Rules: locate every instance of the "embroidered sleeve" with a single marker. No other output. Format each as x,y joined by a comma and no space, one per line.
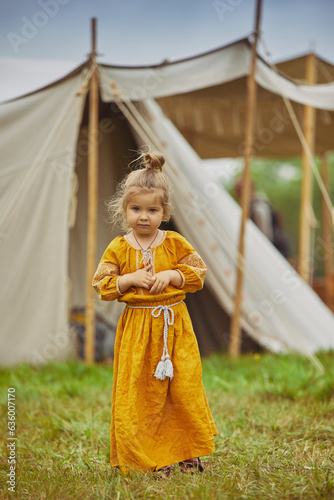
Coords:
105,281
197,265
192,270
105,269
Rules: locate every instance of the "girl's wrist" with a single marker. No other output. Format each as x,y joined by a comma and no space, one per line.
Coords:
175,278
120,284
124,283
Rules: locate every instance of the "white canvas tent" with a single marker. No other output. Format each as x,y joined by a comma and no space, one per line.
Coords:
43,143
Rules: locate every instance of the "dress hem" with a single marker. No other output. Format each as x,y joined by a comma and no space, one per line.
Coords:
178,457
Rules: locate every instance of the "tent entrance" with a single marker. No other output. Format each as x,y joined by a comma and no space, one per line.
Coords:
116,150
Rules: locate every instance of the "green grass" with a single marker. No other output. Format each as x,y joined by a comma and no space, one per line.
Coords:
275,416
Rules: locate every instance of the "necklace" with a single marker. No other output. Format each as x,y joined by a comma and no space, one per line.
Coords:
147,253
142,249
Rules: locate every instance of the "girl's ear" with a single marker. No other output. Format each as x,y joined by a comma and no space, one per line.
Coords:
164,216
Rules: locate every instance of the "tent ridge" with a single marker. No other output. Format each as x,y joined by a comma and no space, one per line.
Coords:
72,73
185,59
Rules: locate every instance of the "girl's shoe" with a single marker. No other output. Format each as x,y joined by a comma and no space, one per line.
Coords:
162,473
191,465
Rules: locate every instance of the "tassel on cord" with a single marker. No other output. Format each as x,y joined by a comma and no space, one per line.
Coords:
165,366
169,368
160,371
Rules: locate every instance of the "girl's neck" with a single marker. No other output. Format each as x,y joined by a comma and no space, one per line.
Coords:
144,240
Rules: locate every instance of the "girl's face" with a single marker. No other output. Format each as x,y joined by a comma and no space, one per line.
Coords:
144,212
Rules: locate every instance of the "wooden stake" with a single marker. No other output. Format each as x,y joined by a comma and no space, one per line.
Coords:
304,264
327,238
93,175
234,347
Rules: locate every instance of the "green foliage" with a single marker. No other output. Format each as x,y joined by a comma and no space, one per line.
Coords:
274,414
280,181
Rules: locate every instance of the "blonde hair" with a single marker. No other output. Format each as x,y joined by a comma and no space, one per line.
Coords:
147,177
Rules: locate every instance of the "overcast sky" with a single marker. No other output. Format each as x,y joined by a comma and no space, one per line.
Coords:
132,32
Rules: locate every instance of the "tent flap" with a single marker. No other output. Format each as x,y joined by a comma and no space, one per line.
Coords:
38,143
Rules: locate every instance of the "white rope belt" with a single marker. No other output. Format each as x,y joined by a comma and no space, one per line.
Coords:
165,366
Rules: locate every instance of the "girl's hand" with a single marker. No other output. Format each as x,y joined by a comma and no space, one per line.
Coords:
141,278
162,280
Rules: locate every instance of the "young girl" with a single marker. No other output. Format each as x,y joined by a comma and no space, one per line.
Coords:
160,414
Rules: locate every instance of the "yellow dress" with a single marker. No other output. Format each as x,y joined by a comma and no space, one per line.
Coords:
155,422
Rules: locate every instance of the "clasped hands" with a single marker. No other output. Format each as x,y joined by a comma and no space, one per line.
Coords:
156,283
144,279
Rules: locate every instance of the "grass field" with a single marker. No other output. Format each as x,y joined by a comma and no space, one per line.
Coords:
275,416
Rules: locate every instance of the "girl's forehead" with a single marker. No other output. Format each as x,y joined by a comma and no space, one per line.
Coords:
147,198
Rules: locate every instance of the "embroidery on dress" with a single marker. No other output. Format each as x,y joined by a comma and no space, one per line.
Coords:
141,291
196,263
105,269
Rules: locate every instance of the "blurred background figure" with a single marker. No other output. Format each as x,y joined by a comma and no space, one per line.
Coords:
268,219
104,335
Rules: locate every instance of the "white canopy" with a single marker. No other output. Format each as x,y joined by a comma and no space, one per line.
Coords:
213,68
205,98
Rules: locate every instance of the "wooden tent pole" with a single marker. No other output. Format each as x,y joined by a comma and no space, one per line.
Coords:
234,346
306,188
327,237
93,175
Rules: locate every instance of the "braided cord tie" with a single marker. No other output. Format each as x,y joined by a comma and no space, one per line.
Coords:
165,366
147,257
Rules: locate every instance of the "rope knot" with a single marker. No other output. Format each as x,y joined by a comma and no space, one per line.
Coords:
147,257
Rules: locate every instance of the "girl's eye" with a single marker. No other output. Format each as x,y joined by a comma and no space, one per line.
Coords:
152,210
135,209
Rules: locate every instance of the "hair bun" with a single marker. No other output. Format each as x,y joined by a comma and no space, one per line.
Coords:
154,161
